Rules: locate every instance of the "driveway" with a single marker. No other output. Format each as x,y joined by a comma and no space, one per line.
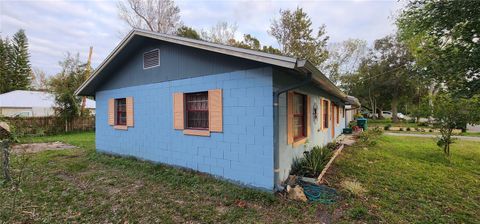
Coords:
470,138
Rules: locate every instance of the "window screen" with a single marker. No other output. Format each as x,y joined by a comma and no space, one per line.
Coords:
197,110
121,111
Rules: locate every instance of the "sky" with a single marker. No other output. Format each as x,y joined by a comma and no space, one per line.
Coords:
55,27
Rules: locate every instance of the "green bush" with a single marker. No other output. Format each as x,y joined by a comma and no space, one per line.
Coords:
312,163
387,127
369,137
423,124
332,146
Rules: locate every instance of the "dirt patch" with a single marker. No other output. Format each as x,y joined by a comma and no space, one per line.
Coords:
39,147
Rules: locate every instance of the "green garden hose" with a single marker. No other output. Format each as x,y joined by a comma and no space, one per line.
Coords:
319,193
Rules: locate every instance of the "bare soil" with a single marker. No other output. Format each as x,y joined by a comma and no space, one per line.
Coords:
39,147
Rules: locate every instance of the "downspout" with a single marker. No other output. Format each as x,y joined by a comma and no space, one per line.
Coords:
276,134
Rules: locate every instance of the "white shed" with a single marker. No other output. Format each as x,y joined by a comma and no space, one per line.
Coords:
31,104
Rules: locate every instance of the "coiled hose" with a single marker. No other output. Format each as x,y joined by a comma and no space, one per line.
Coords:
319,193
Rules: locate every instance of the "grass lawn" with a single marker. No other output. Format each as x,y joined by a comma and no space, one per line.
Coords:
408,180
80,185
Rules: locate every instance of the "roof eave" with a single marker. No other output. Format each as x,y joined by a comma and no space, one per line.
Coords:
320,79
278,60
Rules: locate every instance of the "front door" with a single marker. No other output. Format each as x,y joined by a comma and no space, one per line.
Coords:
333,120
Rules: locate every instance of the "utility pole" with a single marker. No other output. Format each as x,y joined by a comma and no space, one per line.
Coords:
84,99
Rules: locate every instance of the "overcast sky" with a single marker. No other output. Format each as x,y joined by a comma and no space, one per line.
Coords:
56,27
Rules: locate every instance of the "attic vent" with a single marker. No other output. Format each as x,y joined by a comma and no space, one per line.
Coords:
151,59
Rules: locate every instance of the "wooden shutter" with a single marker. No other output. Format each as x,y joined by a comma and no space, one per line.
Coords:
308,116
178,111
129,111
338,114
290,117
111,111
215,110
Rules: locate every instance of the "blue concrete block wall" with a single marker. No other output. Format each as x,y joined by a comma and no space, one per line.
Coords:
287,153
243,152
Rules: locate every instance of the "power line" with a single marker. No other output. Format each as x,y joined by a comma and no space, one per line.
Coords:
385,72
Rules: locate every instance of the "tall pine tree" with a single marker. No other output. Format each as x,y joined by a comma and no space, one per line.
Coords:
15,70
3,64
21,63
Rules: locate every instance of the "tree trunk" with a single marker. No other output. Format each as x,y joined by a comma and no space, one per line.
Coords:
6,160
394,109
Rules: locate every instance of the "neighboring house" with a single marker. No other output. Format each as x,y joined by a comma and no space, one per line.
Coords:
25,103
473,128
211,107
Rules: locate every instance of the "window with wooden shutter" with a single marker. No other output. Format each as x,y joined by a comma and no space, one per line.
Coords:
121,111
325,116
290,117
338,114
178,111
198,113
215,110
298,118
111,111
129,108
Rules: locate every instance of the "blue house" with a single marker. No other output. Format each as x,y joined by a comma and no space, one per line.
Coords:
238,114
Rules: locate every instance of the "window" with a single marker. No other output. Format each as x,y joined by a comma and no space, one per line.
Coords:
325,113
299,116
196,105
151,59
121,111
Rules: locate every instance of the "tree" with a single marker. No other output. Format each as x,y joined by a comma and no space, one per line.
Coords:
396,70
161,16
344,58
248,42
188,32
39,79
64,84
21,61
251,42
451,112
221,33
445,40
294,34
4,64
15,70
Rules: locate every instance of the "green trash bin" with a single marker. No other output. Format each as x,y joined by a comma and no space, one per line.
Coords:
362,122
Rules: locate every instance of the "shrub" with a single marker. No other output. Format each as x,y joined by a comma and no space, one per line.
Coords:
332,146
431,130
369,137
353,187
408,129
387,127
423,124
358,212
313,162
401,129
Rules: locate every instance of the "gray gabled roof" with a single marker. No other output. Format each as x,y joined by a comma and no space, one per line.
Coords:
277,60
